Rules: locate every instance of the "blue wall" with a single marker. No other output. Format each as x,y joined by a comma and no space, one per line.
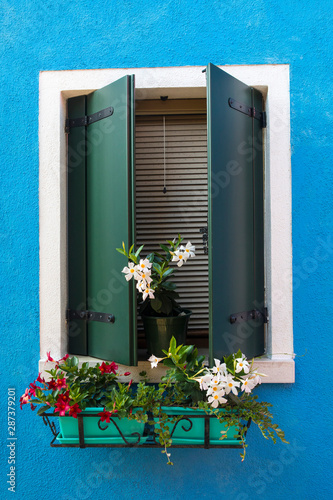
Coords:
43,35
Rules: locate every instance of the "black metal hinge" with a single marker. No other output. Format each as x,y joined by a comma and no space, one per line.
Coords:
252,112
255,315
73,315
88,120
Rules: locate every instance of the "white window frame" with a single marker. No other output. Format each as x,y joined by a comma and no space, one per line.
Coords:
273,81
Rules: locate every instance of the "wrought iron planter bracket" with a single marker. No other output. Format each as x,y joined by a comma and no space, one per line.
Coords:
152,441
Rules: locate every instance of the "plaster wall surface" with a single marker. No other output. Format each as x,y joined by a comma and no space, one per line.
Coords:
43,36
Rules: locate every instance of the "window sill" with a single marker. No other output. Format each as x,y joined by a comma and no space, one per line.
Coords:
277,370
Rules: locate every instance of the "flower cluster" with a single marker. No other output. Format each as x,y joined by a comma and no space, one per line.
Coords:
183,253
149,274
70,388
233,376
221,380
142,274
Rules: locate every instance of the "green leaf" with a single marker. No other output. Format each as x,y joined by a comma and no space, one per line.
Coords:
120,250
157,268
138,251
168,285
165,248
156,304
42,409
166,306
173,344
74,361
167,273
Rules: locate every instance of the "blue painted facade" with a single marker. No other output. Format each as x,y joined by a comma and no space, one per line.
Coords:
44,35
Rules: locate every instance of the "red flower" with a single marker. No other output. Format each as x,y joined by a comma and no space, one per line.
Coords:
52,384
74,410
33,407
105,415
64,358
61,383
126,374
32,389
40,379
24,399
108,368
61,405
64,397
49,357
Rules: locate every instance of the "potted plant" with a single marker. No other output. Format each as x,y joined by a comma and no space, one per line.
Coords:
192,406
161,314
209,406
114,409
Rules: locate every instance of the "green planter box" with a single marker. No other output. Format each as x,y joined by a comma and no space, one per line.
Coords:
191,431
132,430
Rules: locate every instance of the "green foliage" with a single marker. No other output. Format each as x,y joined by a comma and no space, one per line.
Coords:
98,386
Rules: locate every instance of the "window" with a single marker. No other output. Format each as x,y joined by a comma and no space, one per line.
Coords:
272,81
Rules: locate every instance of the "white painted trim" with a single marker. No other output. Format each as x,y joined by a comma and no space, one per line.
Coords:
56,86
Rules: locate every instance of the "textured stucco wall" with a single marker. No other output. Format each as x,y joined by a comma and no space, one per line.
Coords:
43,35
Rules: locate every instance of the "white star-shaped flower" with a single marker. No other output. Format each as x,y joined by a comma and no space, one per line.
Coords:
189,250
242,365
130,271
144,265
148,292
231,385
216,399
219,368
179,256
154,360
247,385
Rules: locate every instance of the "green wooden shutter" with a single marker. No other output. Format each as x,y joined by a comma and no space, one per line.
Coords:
76,227
235,220
109,206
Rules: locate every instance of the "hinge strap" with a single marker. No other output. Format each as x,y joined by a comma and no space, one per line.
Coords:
255,315
247,110
89,119
73,315
204,232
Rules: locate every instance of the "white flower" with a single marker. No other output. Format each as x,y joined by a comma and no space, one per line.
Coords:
144,278
144,265
130,271
189,250
255,378
247,385
179,256
217,399
219,368
214,389
242,364
231,385
154,360
204,382
148,292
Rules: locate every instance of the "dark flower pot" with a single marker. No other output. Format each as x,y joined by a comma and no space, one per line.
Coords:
160,330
